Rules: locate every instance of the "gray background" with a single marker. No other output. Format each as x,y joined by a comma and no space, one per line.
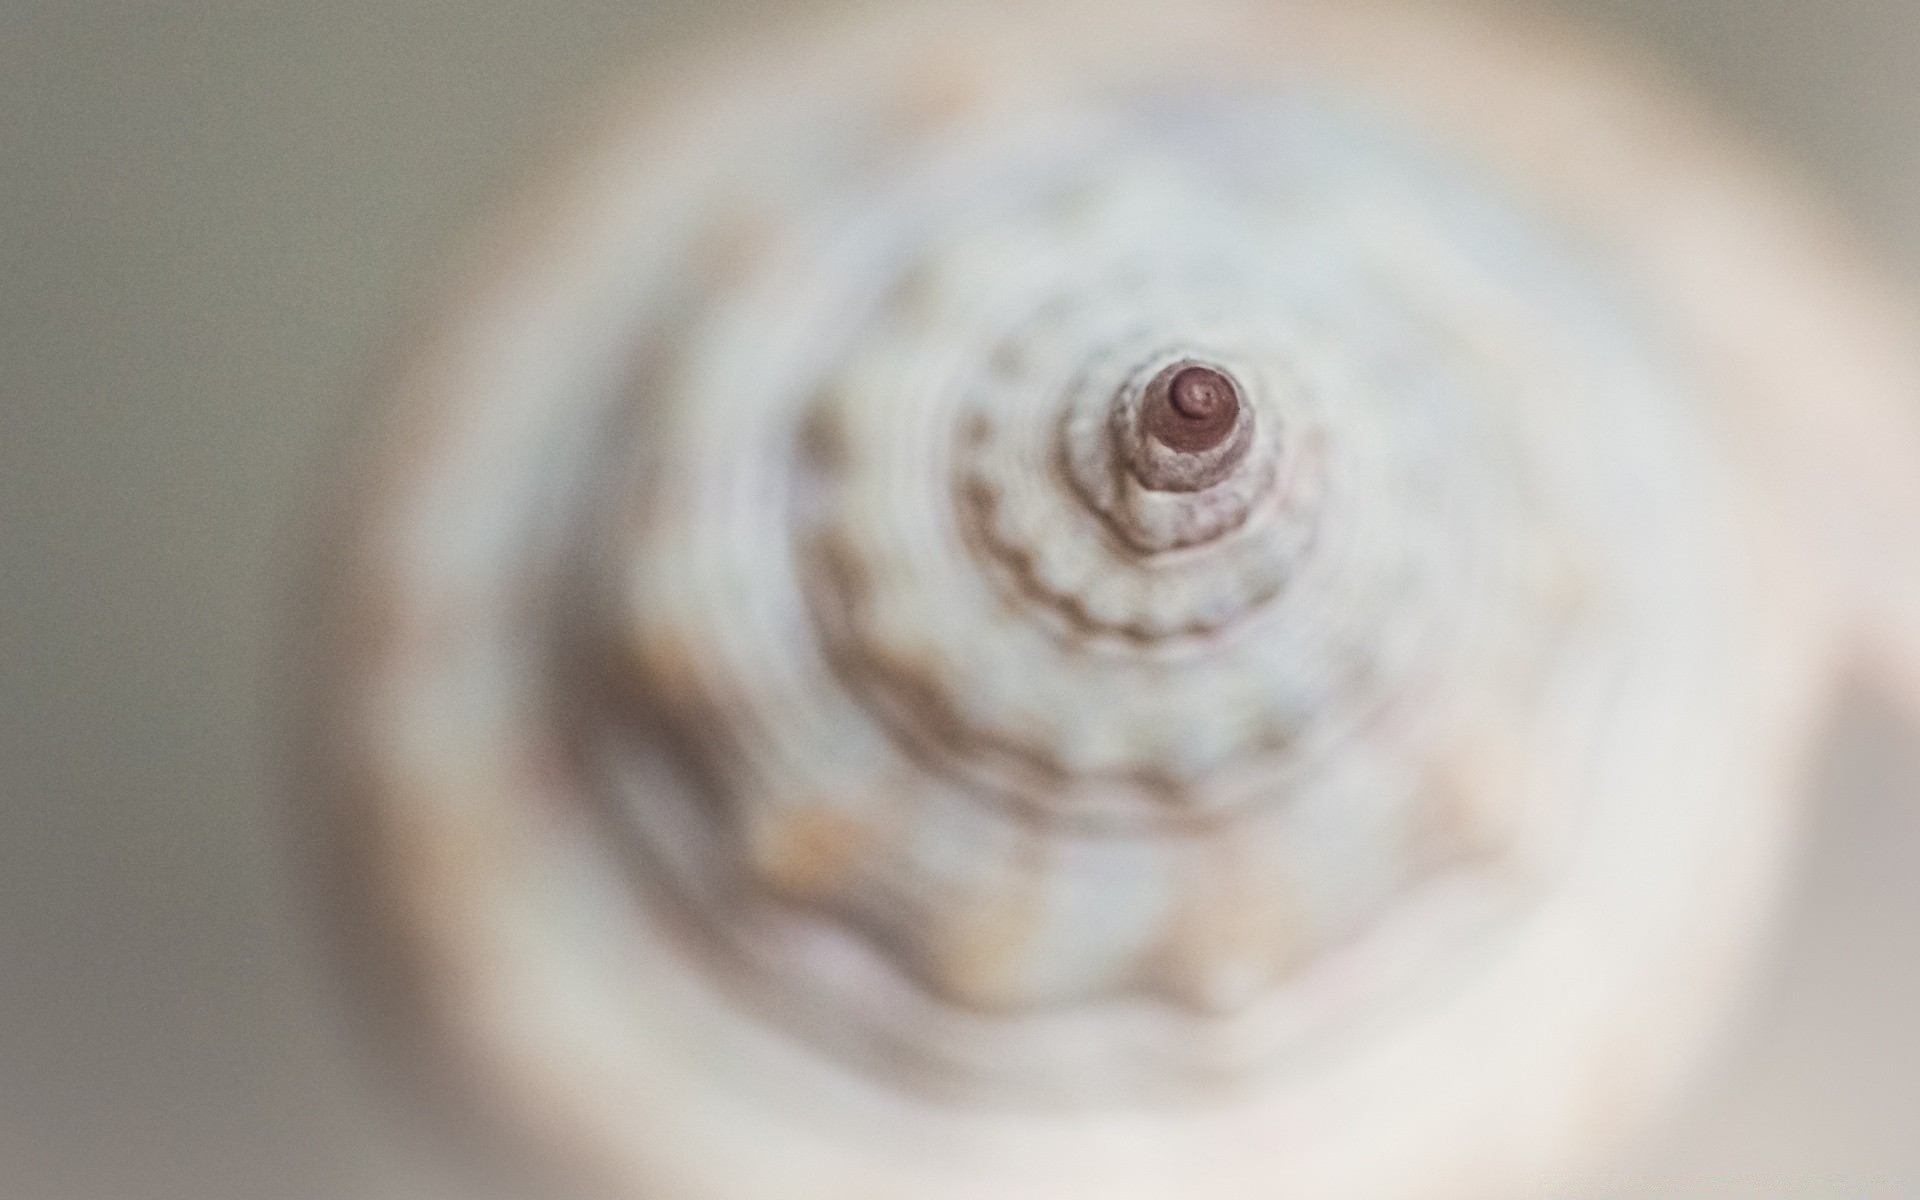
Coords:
215,217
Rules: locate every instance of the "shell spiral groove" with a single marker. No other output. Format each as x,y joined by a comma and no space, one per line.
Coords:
1010,600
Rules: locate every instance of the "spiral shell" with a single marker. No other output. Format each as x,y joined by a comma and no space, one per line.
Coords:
1026,607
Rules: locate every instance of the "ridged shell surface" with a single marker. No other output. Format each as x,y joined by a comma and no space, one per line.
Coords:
1044,605
1028,738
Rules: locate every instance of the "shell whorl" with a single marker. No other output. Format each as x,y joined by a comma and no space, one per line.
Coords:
1041,713
1017,600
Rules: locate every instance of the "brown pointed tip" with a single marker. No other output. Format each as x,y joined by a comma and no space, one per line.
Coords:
1194,410
1200,393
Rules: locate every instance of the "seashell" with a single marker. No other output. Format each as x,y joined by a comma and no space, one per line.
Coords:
1212,600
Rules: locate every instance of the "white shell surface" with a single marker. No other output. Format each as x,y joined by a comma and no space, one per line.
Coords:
807,761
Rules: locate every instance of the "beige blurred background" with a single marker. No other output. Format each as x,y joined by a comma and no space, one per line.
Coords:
215,217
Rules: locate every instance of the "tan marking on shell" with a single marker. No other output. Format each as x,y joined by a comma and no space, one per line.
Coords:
984,946
1480,784
1238,930
810,853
